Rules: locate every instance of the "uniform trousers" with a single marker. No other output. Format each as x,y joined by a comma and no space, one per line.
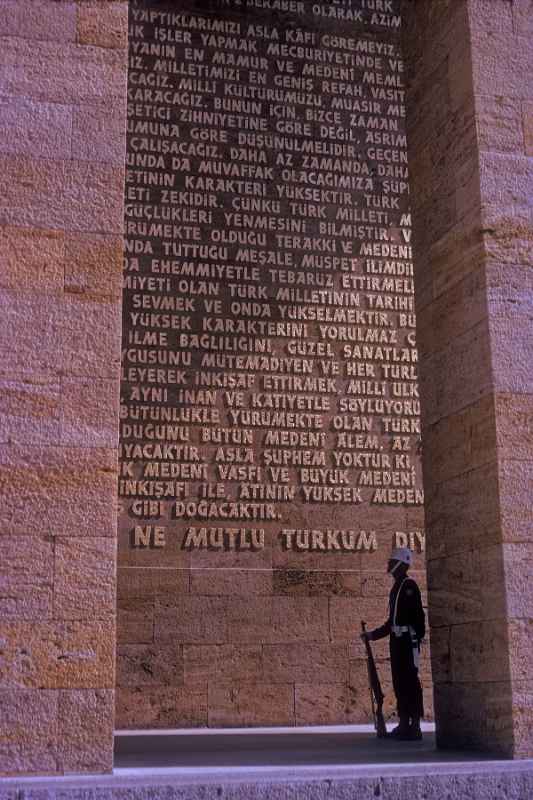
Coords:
405,680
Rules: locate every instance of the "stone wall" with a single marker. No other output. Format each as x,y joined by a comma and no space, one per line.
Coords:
469,123
62,89
62,118
211,630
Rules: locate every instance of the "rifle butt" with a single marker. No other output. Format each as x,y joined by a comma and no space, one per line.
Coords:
381,728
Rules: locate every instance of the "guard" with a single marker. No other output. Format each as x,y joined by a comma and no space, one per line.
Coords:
406,629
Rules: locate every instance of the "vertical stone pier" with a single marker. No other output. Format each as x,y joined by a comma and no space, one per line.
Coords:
470,139
62,136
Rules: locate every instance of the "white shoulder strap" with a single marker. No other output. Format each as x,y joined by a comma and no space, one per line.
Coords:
396,603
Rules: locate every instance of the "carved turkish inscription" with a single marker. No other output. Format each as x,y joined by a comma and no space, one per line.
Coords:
269,364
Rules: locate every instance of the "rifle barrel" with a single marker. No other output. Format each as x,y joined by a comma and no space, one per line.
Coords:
376,692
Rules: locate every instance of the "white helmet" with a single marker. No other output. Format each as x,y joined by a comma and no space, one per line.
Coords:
402,554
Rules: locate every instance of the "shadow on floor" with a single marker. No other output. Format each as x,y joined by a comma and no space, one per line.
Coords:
249,749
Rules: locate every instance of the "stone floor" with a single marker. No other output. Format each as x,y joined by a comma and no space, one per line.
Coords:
334,763
347,745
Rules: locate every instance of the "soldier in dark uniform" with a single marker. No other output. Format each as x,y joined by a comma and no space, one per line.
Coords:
406,628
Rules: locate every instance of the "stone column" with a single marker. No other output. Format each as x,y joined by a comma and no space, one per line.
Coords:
470,107
62,141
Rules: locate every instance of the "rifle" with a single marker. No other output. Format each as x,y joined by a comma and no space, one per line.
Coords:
376,693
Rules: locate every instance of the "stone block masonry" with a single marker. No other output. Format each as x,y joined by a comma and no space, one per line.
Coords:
287,617
62,146
269,408
469,126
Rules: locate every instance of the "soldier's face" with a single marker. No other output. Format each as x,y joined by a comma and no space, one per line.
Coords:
390,566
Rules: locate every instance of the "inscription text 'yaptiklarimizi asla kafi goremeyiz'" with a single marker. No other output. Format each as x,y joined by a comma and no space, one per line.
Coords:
269,367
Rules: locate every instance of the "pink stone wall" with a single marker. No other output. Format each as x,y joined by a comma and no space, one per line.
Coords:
469,119
62,120
502,60
62,93
217,637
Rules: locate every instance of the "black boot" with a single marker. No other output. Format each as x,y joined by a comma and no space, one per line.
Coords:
403,729
415,732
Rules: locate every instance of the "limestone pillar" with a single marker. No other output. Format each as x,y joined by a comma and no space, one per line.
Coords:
470,107
62,87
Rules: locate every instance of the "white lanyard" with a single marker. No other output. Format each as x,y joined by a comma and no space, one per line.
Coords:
400,630
396,604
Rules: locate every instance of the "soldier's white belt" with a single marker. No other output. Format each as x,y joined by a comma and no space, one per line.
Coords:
398,630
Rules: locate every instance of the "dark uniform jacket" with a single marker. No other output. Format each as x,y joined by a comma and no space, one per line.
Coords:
409,611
